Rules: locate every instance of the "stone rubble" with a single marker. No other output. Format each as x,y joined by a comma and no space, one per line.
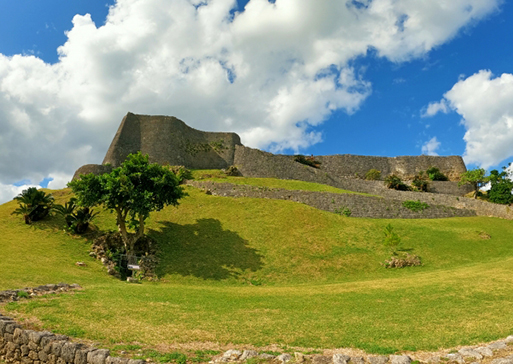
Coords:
16,294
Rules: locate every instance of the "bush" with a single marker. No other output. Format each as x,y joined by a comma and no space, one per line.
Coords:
415,205
373,175
233,171
34,204
182,173
394,182
391,240
77,218
419,182
501,193
434,174
309,161
343,211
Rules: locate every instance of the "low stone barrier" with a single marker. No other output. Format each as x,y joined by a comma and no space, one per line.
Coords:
16,294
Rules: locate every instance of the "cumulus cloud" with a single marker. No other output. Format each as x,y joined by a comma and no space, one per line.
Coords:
431,146
8,192
270,72
484,103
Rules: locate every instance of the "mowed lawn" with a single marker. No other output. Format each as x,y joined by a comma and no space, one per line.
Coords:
257,272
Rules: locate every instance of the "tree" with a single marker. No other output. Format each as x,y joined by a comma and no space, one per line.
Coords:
501,187
77,219
34,204
132,191
475,177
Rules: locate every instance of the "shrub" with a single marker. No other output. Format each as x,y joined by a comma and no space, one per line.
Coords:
233,171
182,173
419,182
343,211
391,240
434,174
309,161
77,218
34,204
394,182
415,205
501,193
373,175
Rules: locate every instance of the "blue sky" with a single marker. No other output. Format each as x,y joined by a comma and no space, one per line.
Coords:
291,76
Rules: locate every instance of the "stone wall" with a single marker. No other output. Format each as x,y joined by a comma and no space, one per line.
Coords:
388,205
358,205
346,171
168,140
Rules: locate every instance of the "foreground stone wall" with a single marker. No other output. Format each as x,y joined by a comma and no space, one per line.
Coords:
168,140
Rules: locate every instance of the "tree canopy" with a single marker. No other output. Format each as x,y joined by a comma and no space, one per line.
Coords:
132,191
475,177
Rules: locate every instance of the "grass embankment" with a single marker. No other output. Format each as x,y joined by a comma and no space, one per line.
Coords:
216,175
257,272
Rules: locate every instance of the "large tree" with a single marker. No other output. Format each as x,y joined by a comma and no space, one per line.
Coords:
476,178
132,191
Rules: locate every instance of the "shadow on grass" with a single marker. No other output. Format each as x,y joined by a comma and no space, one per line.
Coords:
204,250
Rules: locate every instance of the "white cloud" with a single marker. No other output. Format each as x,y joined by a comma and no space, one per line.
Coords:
8,192
485,105
269,73
431,146
435,107
59,180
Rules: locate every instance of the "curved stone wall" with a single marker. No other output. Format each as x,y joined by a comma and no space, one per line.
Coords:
168,140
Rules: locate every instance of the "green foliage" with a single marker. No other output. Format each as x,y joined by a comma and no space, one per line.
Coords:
22,294
391,240
474,177
501,187
33,204
394,182
434,174
342,210
420,183
132,190
309,161
77,218
181,173
232,171
415,205
373,175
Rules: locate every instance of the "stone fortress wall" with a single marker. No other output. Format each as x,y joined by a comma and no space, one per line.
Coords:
168,140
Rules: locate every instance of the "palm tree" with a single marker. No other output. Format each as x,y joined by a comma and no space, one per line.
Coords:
34,204
77,219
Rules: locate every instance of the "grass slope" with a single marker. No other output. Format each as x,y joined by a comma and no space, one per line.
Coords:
255,272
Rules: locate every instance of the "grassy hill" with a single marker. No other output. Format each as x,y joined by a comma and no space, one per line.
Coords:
257,272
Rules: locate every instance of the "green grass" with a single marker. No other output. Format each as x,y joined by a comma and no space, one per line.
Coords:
289,184
258,272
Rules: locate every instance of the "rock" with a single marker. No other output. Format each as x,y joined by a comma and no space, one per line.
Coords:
132,280
498,345
68,352
340,358
380,359
299,357
266,356
284,358
133,361
455,357
434,359
97,356
502,361
484,351
509,339
470,353
400,359
247,354
357,360
232,355
322,359
80,264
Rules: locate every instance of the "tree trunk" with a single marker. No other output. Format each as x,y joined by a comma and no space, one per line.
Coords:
122,229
